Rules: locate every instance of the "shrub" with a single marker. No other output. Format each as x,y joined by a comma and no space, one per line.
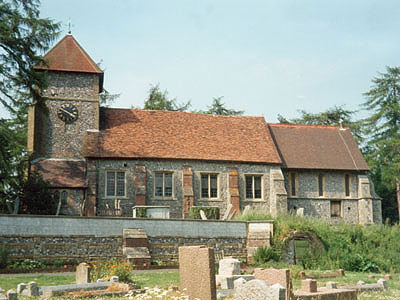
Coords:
4,256
106,269
211,212
28,264
265,254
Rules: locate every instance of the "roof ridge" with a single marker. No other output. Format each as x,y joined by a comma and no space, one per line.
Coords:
182,112
308,126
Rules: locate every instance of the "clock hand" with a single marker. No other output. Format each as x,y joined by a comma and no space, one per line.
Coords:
67,112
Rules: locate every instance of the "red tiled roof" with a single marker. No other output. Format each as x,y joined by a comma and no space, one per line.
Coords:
130,133
68,55
317,147
62,173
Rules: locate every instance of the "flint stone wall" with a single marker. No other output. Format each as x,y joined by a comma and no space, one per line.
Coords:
85,238
176,201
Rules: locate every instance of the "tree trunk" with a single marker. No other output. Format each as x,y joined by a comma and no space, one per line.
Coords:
398,195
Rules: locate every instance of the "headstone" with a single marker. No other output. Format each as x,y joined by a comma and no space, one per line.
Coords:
239,282
203,215
300,212
82,273
227,283
383,283
259,290
229,266
12,295
114,279
387,277
302,275
360,282
309,286
371,276
33,289
340,272
228,211
272,276
331,285
197,272
21,287
1,290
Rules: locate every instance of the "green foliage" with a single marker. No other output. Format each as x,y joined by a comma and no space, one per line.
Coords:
141,212
351,247
211,212
36,196
158,100
4,256
265,254
28,264
218,108
106,269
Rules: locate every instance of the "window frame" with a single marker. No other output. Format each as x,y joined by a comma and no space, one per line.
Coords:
115,196
295,175
261,176
347,185
335,202
209,174
59,198
321,185
163,197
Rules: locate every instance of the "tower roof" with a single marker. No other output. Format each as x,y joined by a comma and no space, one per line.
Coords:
68,56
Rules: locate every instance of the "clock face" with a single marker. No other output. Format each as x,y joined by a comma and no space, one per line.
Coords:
68,112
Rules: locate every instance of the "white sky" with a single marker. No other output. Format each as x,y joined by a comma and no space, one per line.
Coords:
264,57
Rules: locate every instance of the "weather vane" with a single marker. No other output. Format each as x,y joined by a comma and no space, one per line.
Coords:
69,26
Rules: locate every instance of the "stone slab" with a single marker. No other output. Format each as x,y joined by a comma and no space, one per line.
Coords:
58,290
326,294
137,252
259,290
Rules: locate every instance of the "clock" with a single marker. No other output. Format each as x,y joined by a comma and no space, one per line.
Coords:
68,112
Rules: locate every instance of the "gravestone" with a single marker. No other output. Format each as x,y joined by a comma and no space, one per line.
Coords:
12,295
259,290
82,273
309,286
331,285
228,272
203,215
272,276
197,272
33,289
21,287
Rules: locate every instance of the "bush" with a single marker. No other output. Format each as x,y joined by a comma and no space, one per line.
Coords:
28,264
211,212
4,256
265,254
106,269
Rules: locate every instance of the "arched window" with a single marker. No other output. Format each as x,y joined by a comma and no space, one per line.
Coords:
64,196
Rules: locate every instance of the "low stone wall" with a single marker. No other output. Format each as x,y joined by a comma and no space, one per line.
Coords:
91,238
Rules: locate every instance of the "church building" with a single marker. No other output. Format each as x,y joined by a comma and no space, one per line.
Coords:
104,161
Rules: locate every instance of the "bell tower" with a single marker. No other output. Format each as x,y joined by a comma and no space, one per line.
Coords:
72,100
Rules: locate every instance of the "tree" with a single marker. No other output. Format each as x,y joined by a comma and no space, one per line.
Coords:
158,100
383,127
218,108
23,38
335,116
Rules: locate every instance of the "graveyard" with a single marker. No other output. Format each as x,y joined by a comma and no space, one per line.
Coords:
365,267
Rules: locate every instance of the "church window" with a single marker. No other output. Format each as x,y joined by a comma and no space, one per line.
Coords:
293,184
209,185
115,184
163,184
321,183
347,185
253,186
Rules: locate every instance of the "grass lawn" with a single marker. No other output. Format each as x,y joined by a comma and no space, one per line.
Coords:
164,280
